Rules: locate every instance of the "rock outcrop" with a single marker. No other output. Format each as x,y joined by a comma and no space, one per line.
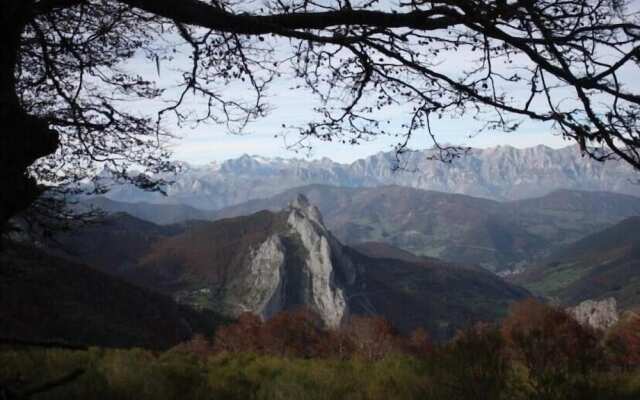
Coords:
261,290
303,265
321,290
598,314
297,266
269,262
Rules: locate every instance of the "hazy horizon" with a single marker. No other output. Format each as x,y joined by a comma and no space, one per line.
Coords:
206,148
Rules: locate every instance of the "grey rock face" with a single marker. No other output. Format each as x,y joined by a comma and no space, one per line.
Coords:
260,291
500,173
294,268
598,314
322,293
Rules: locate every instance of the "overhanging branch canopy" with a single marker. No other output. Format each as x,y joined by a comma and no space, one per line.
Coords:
584,46
570,63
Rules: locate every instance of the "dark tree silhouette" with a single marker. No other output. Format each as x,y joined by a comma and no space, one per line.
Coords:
65,88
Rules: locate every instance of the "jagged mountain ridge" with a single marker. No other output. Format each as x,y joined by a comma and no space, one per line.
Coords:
500,173
273,261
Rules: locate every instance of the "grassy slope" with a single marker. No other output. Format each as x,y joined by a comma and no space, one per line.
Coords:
605,264
209,252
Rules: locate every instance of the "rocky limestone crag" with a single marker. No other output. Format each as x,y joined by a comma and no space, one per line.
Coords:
598,314
273,261
296,267
261,290
323,293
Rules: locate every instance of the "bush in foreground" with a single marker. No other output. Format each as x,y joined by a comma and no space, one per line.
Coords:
538,352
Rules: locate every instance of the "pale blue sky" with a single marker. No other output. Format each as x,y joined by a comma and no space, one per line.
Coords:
207,143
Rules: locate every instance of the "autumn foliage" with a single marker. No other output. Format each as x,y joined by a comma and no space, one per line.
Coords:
537,352
623,342
547,339
301,334
559,353
544,339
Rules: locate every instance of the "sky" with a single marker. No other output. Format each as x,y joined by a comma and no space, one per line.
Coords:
207,143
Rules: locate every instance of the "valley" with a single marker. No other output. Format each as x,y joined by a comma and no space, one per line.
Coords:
274,261
296,267
348,243
500,236
319,200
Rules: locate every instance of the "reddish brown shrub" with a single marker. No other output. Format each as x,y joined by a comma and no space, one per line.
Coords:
554,347
297,333
301,333
419,343
475,364
243,335
623,342
372,337
199,345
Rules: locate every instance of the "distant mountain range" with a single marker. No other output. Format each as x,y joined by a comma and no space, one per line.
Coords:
500,236
272,261
501,173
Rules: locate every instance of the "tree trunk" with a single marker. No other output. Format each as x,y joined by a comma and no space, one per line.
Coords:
23,137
